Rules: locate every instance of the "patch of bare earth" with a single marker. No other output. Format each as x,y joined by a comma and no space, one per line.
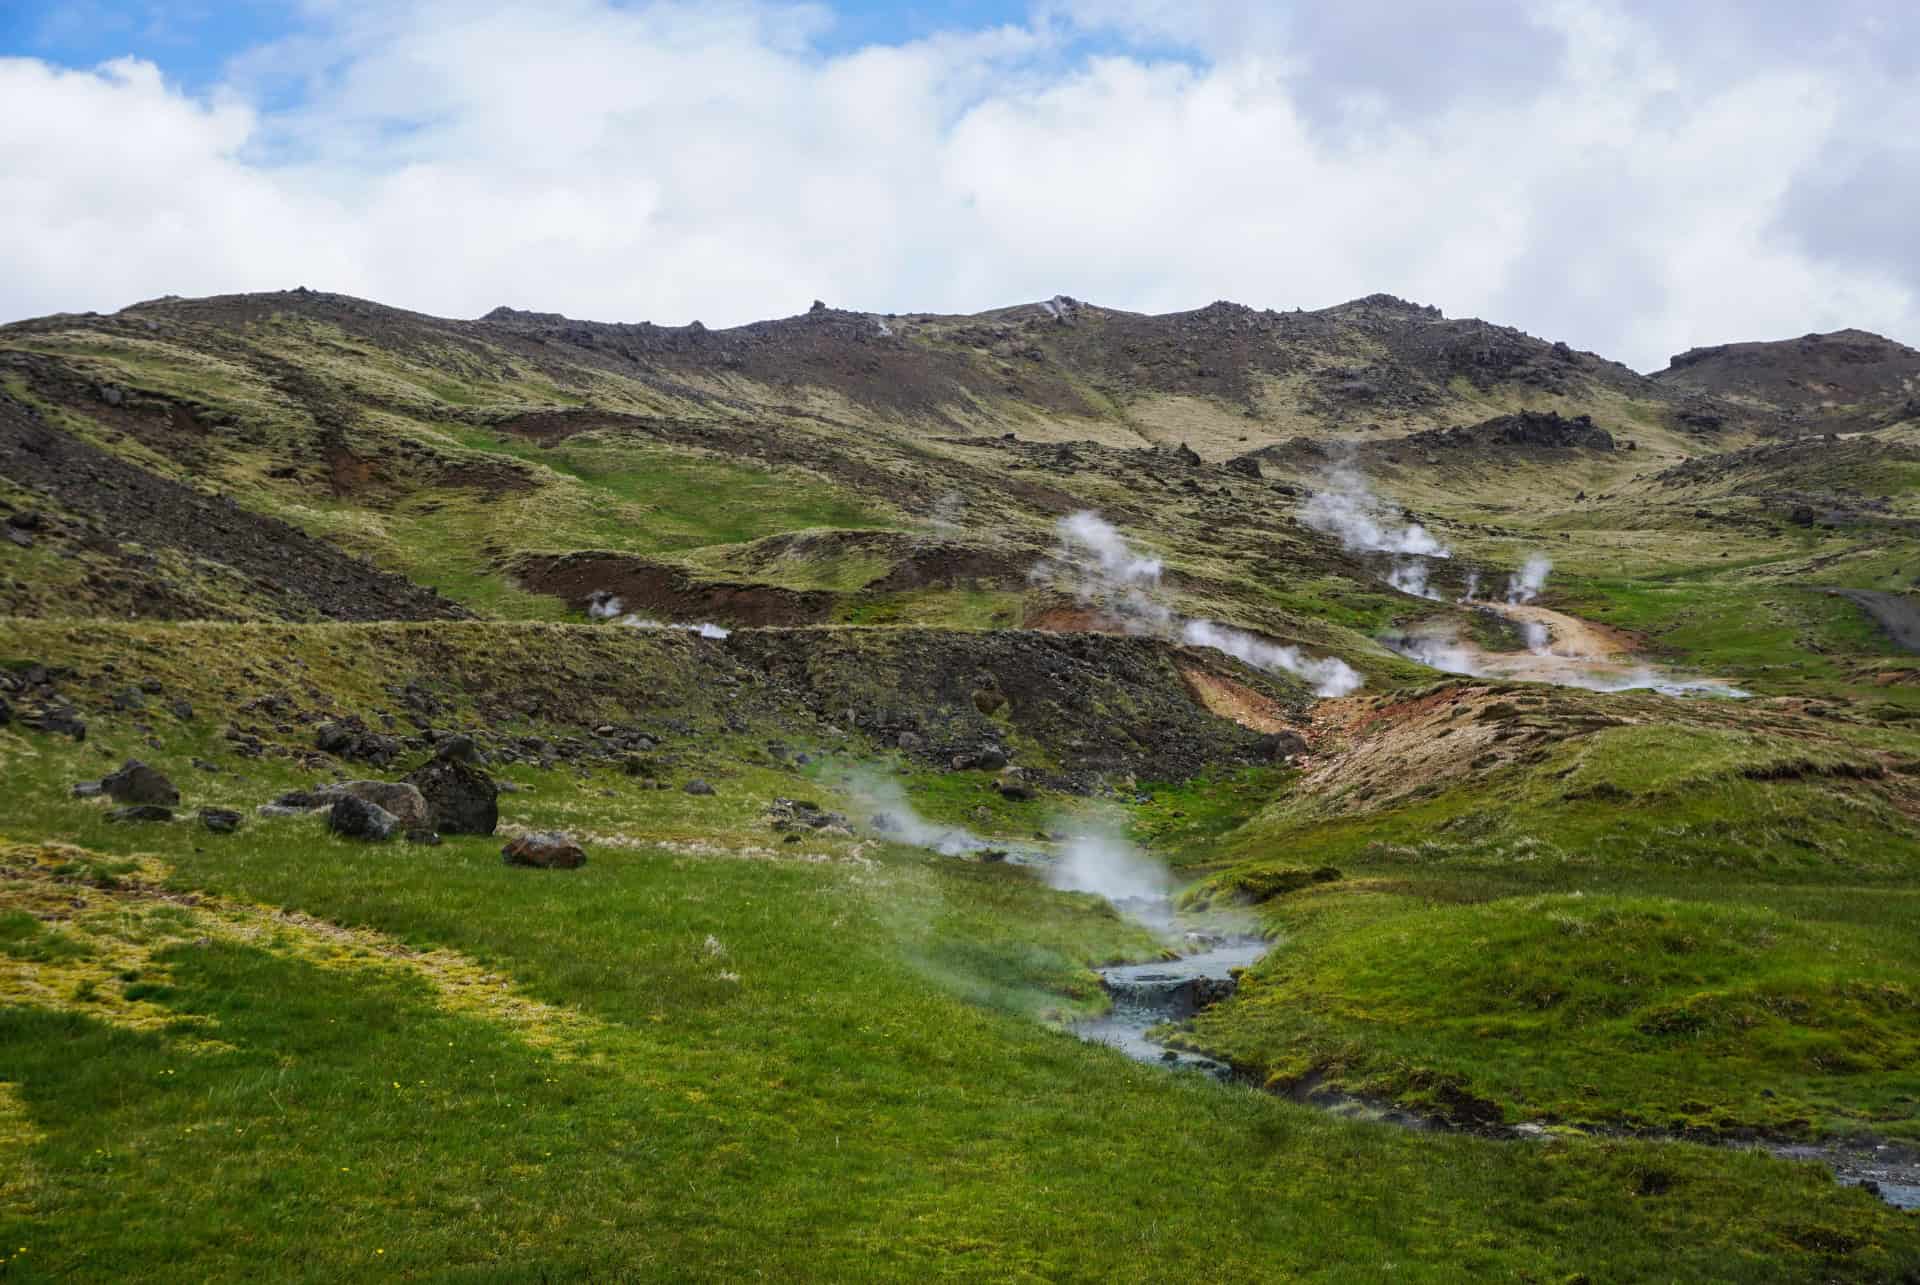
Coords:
1236,701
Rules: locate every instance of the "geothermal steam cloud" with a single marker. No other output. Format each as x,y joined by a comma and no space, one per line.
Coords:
1525,584
1094,560
1346,508
602,605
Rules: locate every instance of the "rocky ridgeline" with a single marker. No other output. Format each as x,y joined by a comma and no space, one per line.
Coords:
1534,429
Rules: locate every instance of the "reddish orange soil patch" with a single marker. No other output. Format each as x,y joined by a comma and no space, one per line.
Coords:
1235,701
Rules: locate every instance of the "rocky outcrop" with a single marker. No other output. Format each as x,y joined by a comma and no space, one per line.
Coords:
461,798
1539,429
351,738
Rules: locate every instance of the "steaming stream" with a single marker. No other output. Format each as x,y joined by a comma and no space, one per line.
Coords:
1146,995
1561,649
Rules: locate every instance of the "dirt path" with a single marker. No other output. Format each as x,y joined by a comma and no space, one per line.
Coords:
1896,613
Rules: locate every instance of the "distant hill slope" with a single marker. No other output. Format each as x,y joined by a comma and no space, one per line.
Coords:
833,467
1846,379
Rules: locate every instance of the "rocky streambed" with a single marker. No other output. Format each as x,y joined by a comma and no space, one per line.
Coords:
1149,995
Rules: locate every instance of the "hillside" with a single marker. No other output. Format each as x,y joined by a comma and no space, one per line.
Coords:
1537,740
1846,380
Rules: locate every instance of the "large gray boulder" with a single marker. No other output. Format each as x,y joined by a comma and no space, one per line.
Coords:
355,818
401,800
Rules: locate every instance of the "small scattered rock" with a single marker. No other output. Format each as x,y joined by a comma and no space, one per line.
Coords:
425,838
989,700
546,851
220,820
1276,746
141,812
351,738
990,759
87,790
697,786
135,782
56,717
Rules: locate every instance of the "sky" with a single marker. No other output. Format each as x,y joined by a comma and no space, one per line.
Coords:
1634,177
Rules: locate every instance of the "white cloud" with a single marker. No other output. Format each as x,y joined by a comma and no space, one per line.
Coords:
1576,172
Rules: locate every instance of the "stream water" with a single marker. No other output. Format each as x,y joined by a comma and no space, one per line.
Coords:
1146,996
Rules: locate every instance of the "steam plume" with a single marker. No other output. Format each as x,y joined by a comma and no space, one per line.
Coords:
1347,508
1410,577
1525,584
1110,867
885,798
1095,562
1329,675
602,605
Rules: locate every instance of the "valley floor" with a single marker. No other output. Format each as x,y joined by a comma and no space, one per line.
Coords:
714,1054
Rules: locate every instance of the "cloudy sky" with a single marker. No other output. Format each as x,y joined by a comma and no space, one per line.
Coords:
1632,176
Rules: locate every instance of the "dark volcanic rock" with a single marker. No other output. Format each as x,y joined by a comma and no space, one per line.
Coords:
135,782
54,716
547,851
1527,429
461,799
141,812
989,758
355,818
1284,745
351,738
220,820
697,786
297,575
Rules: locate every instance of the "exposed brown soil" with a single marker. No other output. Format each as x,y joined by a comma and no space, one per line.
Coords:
1235,700
917,561
1057,618
669,594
